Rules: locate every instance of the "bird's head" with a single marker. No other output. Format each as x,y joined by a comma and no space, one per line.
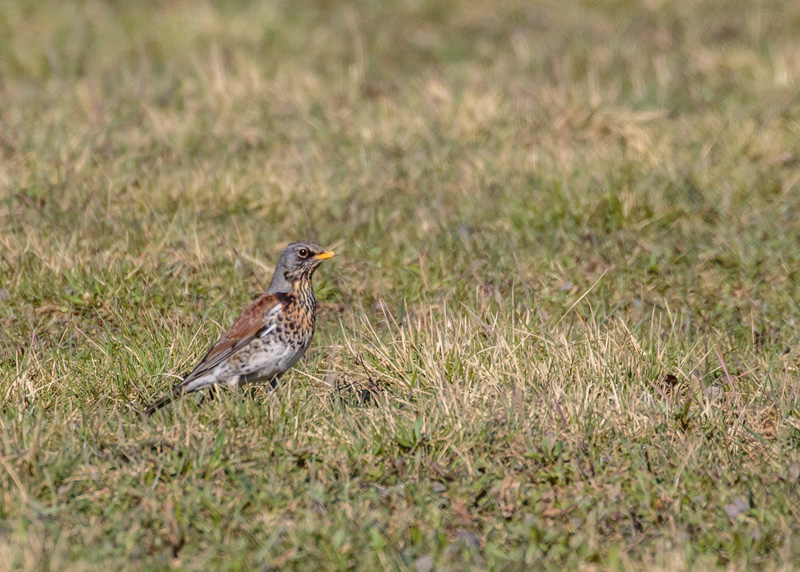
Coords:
298,262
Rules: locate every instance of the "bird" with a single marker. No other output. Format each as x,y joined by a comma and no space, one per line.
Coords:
270,336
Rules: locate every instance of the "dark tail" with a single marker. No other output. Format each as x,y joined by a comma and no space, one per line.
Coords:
165,400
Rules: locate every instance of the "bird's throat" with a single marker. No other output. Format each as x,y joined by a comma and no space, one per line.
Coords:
304,291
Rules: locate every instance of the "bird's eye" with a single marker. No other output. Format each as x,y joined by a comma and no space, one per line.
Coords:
303,252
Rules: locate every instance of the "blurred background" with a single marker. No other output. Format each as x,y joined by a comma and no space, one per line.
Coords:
579,136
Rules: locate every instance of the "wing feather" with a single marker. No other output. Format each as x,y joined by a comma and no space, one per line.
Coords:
253,322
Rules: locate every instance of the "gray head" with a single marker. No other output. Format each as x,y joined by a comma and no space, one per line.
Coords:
298,261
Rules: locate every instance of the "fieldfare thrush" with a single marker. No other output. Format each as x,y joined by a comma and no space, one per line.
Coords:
270,336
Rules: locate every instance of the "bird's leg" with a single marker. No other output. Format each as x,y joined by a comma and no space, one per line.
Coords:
210,395
271,385
252,388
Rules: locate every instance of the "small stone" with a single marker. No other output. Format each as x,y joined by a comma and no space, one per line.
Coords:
469,537
331,379
423,564
5,294
713,392
737,507
794,472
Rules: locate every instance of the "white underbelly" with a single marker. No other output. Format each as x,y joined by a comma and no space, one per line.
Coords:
269,363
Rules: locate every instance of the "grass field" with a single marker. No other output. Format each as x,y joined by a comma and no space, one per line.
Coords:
563,331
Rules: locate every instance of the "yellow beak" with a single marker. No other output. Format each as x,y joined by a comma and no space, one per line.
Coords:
324,255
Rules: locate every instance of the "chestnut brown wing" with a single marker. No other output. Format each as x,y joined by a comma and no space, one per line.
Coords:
253,322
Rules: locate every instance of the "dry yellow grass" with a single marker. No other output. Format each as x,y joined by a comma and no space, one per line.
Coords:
563,332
